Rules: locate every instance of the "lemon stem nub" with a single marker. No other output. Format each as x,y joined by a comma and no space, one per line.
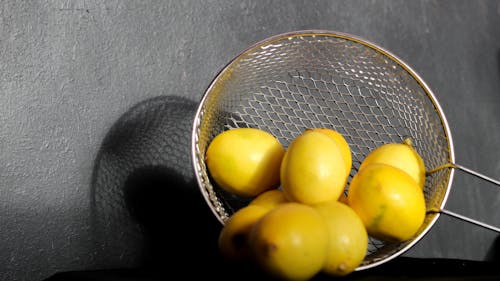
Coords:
408,141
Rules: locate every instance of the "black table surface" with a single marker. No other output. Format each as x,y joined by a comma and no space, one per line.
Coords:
401,268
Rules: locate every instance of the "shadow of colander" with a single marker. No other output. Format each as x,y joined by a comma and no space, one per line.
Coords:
144,195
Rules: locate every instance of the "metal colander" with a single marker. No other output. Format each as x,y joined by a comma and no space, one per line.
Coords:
315,78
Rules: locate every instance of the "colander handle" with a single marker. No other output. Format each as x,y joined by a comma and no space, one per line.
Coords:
469,220
476,174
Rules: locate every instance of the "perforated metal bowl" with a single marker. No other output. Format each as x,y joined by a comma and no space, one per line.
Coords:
316,78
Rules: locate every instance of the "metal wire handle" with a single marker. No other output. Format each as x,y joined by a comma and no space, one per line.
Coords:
459,216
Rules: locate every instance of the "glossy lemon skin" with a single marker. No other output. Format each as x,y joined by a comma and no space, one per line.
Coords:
400,155
290,242
245,161
343,198
348,238
269,199
342,143
313,169
389,202
233,237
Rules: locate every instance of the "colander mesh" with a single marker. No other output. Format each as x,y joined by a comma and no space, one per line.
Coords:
290,83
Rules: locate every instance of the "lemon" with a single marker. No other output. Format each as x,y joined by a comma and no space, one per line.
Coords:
233,237
400,155
313,169
342,143
390,203
245,161
348,238
269,199
343,199
290,242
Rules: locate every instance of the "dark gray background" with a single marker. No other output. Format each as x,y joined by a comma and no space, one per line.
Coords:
69,70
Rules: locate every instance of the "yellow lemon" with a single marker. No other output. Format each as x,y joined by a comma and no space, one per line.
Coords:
343,198
233,237
348,238
313,169
390,203
400,155
290,242
343,145
269,199
245,161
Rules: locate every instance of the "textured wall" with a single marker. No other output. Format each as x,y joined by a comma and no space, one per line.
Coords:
69,70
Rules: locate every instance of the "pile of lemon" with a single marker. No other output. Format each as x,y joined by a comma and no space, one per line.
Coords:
304,217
